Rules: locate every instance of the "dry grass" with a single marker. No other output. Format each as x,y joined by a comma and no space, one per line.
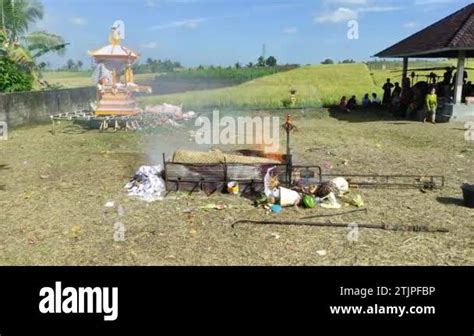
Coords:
55,187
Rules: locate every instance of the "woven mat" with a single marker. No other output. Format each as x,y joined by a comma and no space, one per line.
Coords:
216,157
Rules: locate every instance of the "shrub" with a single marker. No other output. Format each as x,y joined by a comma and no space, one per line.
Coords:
327,61
12,78
271,61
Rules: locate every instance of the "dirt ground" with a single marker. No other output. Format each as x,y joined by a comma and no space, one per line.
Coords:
53,189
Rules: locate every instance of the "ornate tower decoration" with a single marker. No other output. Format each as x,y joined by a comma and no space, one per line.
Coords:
114,78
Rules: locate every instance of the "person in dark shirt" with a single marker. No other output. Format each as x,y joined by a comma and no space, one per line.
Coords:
432,78
465,77
366,101
406,85
448,76
395,99
352,103
387,92
397,91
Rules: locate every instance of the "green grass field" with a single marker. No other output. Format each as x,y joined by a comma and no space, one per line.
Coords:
237,75
72,79
315,85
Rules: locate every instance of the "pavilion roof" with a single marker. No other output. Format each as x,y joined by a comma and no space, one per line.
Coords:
443,39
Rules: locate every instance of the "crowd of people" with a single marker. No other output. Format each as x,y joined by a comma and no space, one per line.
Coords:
367,101
419,101
446,87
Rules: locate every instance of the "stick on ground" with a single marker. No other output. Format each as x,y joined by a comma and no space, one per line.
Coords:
335,214
387,227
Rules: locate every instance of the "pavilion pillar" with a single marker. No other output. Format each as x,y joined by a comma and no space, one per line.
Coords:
460,77
404,73
405,68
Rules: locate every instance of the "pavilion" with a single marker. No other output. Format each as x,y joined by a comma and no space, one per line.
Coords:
451,37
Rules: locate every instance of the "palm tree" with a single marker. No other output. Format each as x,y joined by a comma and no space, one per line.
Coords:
17,43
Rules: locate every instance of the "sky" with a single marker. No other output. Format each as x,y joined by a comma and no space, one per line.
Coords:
223,32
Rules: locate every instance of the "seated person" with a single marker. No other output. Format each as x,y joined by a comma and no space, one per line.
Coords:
343,104
366,101
376,100
352,103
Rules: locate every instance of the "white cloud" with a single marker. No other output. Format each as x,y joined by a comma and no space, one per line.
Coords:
149,45
411,24
379,9
341,14
344,14
187,23
290,30
78,21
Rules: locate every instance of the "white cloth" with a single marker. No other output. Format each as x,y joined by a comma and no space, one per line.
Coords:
147,184
342,185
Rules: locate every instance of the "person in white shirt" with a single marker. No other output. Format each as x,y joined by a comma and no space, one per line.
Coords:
376,100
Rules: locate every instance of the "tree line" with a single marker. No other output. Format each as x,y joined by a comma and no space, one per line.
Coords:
328,61
160,66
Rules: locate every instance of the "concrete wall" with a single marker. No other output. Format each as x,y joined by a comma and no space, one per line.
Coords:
22,108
